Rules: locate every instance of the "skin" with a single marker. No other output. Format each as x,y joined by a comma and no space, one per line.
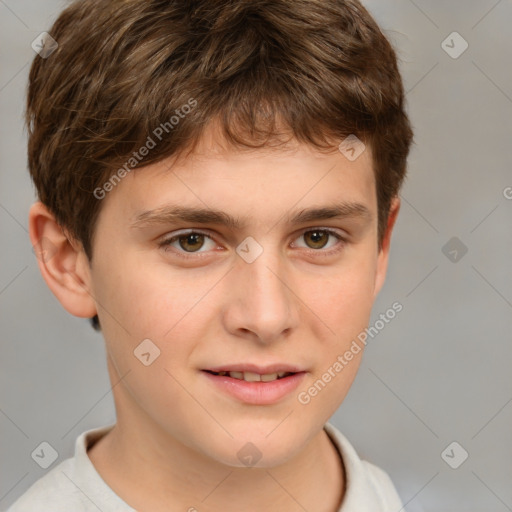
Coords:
175,443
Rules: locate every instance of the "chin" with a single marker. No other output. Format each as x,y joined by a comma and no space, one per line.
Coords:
252,448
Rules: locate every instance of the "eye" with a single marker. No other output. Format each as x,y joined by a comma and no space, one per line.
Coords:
188,242
319,238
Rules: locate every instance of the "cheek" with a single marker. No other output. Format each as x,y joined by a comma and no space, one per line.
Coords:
141,302
139,299
147,314
343,299
345,307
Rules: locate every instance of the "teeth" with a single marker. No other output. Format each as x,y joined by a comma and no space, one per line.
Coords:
251,377
254,377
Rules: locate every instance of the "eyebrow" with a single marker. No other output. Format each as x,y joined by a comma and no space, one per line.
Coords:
174,213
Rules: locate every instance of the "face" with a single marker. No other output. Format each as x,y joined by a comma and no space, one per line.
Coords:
267,292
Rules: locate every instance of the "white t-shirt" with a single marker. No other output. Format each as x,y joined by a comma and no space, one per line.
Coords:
75,486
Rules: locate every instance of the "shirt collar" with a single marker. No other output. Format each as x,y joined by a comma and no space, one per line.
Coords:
359,492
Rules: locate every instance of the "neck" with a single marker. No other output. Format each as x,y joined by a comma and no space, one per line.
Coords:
157,473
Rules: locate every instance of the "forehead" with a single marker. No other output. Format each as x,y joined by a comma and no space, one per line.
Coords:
263,183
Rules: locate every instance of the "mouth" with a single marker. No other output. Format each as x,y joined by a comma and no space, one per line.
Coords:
252,376
256,385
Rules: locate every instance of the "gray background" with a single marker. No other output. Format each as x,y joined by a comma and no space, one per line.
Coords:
439,372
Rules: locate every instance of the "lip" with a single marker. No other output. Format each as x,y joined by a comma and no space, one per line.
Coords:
254,368
256,393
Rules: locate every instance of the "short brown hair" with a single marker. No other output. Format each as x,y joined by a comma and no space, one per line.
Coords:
321,68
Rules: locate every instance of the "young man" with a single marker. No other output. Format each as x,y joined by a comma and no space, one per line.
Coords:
217,183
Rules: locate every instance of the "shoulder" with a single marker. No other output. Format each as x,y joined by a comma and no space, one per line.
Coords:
54,491
73,485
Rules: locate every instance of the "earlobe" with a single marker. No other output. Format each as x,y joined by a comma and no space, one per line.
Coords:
382,262
62,262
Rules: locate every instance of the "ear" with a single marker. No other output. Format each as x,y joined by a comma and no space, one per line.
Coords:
382,261
62,262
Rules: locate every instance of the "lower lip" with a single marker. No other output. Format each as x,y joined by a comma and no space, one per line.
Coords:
257,393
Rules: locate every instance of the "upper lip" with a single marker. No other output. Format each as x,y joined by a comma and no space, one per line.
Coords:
254,368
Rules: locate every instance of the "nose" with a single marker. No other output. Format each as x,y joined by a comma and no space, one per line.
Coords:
262,302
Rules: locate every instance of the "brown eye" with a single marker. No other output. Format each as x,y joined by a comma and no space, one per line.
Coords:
191,242
321,241
318,238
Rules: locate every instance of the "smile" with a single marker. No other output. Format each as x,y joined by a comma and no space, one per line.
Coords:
253,377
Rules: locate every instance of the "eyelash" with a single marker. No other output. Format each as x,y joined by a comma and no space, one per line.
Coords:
165,244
